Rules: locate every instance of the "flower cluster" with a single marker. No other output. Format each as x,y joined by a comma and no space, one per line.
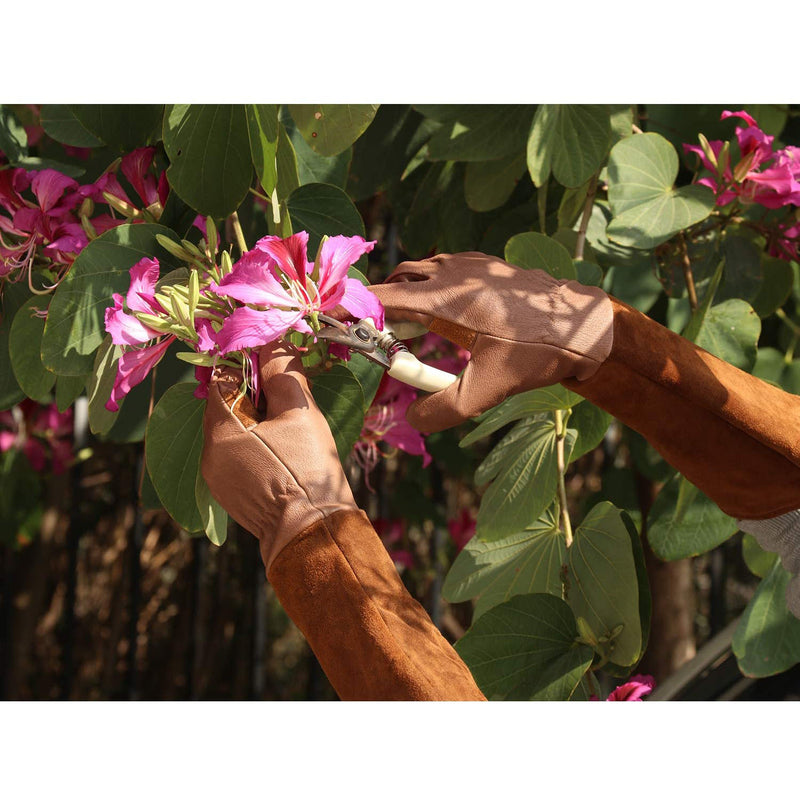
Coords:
770,178
635,689
224,310
42,433
49,215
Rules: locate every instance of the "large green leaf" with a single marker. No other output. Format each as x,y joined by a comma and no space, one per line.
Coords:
572,140
75,325
776,285
213,515
68,389
525,649
123,127
12,298
525,479
13,138
313,167
767,638
741,276
730,331
527,562
537,251
99,386
24,346
590,424
647,208
173,445
60,123
603,585
324,210
262,126
683,522
488,184
330,129
482,133
209,152
758,560
771,366
518,406
341,399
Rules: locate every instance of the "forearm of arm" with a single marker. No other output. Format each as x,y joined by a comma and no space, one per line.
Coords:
734,436
374,641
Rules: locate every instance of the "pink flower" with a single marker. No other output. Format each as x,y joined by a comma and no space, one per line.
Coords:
280,288
39,432
133,367
385,421
635,689
461,529
763,176
391,533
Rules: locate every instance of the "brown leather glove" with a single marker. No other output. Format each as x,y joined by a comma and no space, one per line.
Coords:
277,475
524,328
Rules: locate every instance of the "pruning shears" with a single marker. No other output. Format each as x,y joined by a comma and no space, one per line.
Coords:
384,348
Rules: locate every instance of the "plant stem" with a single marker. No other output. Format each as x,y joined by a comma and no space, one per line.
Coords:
561,435
687,273
237,229
587,213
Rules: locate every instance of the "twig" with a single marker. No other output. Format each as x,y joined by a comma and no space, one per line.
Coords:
561,435
587,213
237,229
687,273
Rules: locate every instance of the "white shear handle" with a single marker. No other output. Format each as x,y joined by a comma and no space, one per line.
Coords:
407,368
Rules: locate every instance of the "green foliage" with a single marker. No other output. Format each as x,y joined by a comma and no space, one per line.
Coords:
13,298
340,397
488,184
61,123
122,127
213,515
75,325
210,159
767,638
24,344
526,649
262,127
730,331
647,208
758,561
537,251
683,522
331,129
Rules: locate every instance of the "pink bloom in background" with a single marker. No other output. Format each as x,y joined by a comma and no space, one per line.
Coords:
40,432
461,529
385,421
391,533
274,280
635,689
763,176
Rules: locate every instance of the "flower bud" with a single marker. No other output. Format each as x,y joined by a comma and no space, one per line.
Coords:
126,209
707,149
173,248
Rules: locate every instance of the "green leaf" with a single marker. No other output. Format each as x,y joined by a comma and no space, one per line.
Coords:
313,167
12,298
590,424
262,126
173,445
488,184
647,208
767,638
758,561
325,210
771,366
68,389
525,479
572,140
603,584
776,285
100,384
330,129
482,133
75,325
518,406
741,277
341,399
683,522
212,514
286,166
537,251
730,331
123,127
24,344
209,152
60,123
527,562
525,649
369,375
587,273
13,138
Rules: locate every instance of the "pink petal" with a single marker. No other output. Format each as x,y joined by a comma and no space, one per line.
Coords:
49,185
141,294
133,367
136,168
636,688
7,440
250,281
203,377
247,327
124,328
361,302
337,255
290,254
206,336
741,115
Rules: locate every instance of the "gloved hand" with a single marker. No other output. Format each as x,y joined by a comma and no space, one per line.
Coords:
524,328
275,475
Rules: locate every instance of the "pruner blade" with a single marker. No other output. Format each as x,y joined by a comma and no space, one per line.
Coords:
359,337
